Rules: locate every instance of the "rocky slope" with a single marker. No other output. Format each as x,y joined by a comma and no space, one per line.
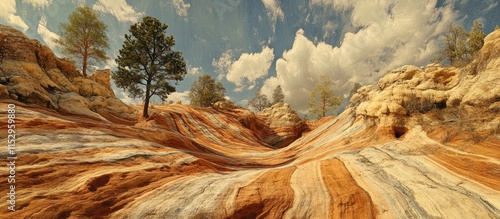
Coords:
422,143
31,73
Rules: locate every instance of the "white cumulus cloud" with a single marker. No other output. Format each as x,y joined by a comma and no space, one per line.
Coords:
123,96
39,3
8,14
48,36
194,70
183,97
118,8
391,33
249,67
78,2
274,11
223,64
181,8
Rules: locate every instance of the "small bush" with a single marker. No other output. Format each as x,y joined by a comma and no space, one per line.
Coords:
2,48
67,67
46,58
413,104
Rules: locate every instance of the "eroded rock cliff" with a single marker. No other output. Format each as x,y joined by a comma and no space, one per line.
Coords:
31,73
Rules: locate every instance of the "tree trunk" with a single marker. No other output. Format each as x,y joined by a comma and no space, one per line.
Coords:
323,109
84,67
146,101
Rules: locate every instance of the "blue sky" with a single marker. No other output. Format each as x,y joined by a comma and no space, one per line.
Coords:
264,43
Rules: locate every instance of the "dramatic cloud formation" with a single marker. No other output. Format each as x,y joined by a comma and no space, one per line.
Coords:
391,33
329,29
47,35
118,8
181,8
249,67
39,3
8,14
222,64
274,12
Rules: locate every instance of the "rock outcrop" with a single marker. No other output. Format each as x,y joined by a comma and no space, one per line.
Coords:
31,73
448,94
407,147
285,124
277,126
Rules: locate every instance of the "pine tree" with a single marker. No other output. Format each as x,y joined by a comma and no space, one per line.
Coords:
476,38
322,98
456,45
147,63
84,37
461,46
278,96
205,92
260,101
354,89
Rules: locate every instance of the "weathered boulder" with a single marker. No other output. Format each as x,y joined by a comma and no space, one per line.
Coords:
64,83
89,88
72,103
16,46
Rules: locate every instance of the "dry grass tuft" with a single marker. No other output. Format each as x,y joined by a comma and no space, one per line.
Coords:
46,58
413,104
443,76
67,67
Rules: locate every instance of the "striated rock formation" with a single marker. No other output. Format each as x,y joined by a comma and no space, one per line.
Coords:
277,126
284,122
422,143
31,73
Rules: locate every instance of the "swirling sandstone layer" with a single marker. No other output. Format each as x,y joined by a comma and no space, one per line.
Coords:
384,157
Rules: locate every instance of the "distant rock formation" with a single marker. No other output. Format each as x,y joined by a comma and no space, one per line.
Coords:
277,125
284,122
32,74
